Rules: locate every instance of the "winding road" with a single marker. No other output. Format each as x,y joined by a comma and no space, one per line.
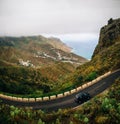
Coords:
68,101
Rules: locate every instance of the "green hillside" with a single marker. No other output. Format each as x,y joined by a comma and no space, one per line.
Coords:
35,66
33,82
106,56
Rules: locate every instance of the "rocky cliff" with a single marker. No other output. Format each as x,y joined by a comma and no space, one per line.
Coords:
106,56
108,35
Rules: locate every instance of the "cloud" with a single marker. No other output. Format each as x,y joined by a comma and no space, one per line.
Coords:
82,37
30,17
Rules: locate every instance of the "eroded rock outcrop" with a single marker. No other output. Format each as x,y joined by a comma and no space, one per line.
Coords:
108,35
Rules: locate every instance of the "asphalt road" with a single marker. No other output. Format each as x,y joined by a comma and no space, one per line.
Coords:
68,101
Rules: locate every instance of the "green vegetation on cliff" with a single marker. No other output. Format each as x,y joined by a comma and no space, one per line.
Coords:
106,56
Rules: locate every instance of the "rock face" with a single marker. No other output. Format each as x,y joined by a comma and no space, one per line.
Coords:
108,35
58,44
106,56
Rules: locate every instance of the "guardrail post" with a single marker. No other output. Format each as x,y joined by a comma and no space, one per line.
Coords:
53,97
79,88
60,95
73,91
25,99
84,86
45,98
19,99
67,93
38,99
89,83
15,98
32,99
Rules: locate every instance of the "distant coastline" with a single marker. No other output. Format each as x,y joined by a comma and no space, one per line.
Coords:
84,49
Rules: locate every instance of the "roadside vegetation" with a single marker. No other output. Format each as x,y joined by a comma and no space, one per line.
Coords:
104,61
103,109
30,82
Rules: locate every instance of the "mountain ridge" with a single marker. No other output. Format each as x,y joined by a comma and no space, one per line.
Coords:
38,50
108,35
35,65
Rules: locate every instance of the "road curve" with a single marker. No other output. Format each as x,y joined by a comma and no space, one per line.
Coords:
68,101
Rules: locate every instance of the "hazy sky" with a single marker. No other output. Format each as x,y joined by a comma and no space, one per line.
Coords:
68,19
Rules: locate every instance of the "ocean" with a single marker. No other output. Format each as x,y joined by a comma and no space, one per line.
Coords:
84,49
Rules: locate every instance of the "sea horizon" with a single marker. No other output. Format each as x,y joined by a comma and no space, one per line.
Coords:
84,49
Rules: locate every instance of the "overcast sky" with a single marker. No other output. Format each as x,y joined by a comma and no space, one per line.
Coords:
68,19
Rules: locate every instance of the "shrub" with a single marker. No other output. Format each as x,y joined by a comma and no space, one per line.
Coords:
91,76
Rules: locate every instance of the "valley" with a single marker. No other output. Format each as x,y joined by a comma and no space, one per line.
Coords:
35,65
30,68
